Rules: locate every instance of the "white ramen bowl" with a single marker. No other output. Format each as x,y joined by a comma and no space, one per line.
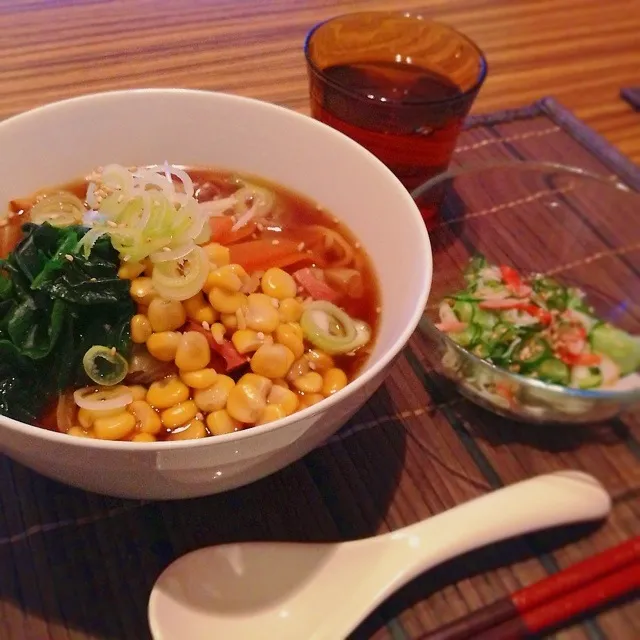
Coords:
65,140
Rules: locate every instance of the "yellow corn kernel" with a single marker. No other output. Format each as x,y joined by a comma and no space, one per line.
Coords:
199,310
137,391
167,393
309,399
142,290
226,301
215,397
230,277
333,380
146,417
280,382
199,379
114,427
270,413
85,418
220,422
319,360
247,340
272,361
218,330
248,398
143,437
229,321
218,254
286,399
278,284
164,346
260,314
287,335
290,310
310,382
140,328
79,432
193,351
179,414
166,315
193,431
299,368
130,270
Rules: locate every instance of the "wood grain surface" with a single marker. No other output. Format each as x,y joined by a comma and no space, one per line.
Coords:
580,51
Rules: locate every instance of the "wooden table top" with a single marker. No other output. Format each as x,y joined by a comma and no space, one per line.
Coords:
580,51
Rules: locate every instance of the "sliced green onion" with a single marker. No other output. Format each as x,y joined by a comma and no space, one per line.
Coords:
316,320
105,366
60,209
103,398
183,278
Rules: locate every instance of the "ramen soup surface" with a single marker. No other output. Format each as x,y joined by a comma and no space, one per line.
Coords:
158,303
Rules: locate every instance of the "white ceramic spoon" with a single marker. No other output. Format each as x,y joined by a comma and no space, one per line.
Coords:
303,591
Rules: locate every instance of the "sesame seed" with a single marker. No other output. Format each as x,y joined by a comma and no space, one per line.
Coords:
205,325
275,242
312,366
275,302
260,226
12,214
301,246
92,280
113,351
167,249
4,223
357,245
199,416
378,309
260,335
111,223
126,258
68,256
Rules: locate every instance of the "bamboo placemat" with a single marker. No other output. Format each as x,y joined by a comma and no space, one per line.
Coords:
75,566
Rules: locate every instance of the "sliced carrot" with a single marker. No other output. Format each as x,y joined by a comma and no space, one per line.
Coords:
222,233
10,236
220,226
260,255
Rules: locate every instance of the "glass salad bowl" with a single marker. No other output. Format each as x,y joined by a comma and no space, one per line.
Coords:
534,310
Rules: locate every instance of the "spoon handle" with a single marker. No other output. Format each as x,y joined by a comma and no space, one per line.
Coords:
544,501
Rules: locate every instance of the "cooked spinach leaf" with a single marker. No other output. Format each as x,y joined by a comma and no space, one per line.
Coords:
55,304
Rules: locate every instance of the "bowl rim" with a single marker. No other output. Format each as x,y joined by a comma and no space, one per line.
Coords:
627,396
326,404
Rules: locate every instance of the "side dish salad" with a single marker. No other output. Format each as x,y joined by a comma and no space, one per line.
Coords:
537,327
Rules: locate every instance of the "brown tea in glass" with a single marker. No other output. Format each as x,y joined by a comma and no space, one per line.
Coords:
397,84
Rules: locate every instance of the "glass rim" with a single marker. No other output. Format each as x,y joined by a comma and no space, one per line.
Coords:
482,74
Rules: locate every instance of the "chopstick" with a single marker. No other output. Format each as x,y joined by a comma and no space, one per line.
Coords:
549,602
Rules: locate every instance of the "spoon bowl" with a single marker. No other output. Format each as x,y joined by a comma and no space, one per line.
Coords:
289,591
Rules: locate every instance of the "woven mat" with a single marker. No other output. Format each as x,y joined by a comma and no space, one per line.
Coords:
75,566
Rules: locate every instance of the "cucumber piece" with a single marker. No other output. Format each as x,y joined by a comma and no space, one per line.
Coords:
464,310
621,347
468,337
531,353
586,377
554,371
485,319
